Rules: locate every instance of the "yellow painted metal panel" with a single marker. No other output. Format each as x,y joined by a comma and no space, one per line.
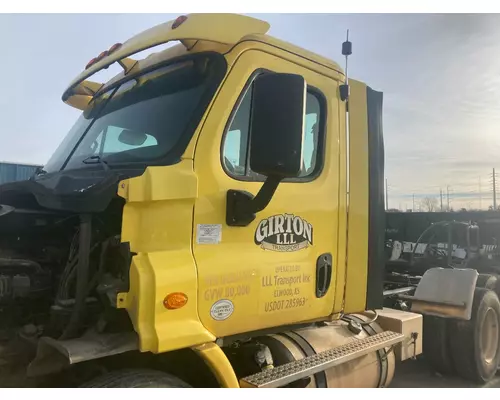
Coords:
357,246
293,49
215,358
78,101
342,195
157,222
220,28
151,186
264,288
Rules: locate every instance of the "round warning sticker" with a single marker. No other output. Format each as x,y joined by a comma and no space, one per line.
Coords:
222,310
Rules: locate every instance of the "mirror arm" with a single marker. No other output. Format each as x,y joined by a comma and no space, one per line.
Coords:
265,194
242,206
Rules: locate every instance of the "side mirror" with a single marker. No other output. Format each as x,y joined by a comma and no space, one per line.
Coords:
277,125
276,137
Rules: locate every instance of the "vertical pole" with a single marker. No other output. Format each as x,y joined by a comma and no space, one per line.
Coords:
450,244
441,196
386,195
448,197
494,191
480,196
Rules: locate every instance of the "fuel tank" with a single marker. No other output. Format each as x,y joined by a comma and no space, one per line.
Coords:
375,369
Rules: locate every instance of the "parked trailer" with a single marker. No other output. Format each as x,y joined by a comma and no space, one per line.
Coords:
416,244
408,226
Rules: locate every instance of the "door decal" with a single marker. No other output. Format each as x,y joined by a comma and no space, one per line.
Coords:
284,233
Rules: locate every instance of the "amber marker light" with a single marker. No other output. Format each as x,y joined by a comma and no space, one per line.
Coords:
113,48
179,21
91,62
173,301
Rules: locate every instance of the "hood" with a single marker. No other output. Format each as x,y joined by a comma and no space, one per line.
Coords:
80,191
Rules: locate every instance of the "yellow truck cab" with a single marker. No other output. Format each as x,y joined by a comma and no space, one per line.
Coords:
218,211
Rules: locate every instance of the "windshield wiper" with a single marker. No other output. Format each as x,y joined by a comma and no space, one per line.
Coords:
96,160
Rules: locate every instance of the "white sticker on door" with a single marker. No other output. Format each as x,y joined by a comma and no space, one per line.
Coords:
222,310
208,233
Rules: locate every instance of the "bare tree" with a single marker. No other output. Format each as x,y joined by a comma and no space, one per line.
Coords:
429,204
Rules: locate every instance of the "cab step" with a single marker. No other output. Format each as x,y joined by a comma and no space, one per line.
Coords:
295,370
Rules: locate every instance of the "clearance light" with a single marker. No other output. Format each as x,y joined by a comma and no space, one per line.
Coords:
102,55
174,301
115,47
180,20
90,63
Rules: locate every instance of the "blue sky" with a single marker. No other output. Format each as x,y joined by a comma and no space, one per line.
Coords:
440,75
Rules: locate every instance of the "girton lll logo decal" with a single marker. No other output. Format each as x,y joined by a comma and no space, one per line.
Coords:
284,232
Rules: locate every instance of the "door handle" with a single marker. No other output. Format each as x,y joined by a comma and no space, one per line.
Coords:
324,266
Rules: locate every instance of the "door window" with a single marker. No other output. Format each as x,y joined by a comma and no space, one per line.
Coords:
235,148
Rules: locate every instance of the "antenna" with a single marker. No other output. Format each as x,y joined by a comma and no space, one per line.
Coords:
344,95
346,51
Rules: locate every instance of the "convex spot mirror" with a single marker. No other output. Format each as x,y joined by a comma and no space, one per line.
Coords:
132,138
277,125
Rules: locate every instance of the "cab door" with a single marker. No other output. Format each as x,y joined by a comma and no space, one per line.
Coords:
281,268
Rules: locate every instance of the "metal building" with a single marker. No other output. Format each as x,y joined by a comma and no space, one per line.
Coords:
11,172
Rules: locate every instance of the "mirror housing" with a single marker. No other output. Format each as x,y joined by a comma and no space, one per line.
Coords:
276,138
277,125
132,138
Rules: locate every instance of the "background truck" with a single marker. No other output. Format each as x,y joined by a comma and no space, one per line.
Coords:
215,218
418,242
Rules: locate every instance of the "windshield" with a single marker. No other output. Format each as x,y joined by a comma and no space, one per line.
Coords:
147,120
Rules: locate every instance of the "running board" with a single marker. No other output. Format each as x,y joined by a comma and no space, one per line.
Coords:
295,370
